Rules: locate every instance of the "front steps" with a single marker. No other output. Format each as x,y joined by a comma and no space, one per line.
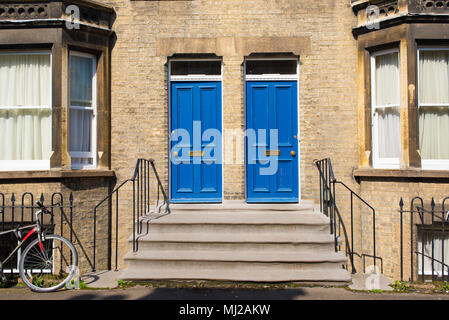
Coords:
235,241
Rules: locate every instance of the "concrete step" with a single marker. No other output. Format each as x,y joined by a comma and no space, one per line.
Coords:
294,249
240,205
262,230
235,272
188,266
235,256
235,241
236,217
238,238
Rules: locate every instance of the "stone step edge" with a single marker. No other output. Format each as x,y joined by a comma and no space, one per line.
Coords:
240,256
338,275
236,238
219,219
243,205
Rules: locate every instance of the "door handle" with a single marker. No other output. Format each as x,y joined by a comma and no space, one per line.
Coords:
293,153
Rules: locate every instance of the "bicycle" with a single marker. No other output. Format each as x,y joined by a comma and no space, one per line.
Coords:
41,259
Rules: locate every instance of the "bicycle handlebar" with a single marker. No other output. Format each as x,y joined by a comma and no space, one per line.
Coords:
42,207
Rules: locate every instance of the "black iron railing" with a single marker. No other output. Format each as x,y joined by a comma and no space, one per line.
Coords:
143,204
328,206
19,211
428,229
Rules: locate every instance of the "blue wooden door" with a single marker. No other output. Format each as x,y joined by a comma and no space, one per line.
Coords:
196,160
271,141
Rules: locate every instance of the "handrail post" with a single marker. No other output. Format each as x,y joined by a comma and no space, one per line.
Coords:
352,226
374,238
432,205
94,236
401,208
134,215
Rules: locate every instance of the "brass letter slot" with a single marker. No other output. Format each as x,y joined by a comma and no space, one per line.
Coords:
273,153
196,153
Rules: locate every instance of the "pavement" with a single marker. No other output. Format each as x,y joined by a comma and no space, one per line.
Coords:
103,285
171,294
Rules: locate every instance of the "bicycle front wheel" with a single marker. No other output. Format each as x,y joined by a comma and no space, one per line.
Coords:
50,265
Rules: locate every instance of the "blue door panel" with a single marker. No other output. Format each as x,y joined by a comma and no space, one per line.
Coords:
272,105
196,171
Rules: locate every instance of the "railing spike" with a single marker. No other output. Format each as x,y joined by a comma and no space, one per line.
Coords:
42,198
13,198
401,203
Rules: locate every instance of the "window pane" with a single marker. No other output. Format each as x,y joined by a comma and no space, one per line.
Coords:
80,130
82,105
81,75
386,79
254,67
25,107
438,252
389,133
183,68
433,77
434,132
386,106
82,161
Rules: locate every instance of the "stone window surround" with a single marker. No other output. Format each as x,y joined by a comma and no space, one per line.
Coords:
60,41
407,38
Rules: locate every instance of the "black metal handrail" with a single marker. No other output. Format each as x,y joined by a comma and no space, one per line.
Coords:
141,201
440,217
329,207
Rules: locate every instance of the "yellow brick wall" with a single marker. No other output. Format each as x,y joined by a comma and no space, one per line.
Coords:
318,31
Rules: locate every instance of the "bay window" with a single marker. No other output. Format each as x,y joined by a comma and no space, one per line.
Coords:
433,97
386,134
25,111
82,129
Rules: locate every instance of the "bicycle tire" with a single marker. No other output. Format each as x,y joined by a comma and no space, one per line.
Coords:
33,256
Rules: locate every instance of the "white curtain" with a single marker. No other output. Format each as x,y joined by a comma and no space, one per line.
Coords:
437,252
80,133
387,105
81,111
433,116
25,107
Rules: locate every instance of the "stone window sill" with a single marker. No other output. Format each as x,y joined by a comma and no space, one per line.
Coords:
400,173
56,174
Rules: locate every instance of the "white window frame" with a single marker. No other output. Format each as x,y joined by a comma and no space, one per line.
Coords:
93,153
378,162
29,165
428,164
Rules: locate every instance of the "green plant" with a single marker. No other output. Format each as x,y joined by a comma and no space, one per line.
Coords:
38,281
401,286
376,291
82,285
445,287
124,284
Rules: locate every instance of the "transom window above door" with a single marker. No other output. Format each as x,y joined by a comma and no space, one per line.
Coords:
195,70
271,69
